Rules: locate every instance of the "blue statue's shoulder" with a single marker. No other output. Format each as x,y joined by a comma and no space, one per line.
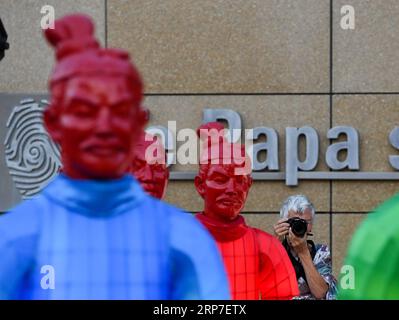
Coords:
22,220
191,248
177,217
160,207
19,234
185,230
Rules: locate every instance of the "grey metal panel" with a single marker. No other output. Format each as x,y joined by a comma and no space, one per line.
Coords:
10,195
386,176
304,175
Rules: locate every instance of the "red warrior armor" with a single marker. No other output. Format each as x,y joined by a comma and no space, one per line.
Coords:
256,262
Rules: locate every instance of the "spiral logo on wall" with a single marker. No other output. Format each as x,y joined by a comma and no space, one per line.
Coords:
31,156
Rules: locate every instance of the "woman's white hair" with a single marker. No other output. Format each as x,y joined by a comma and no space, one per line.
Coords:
298,203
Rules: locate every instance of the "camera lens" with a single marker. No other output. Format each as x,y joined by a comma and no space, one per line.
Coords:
298,226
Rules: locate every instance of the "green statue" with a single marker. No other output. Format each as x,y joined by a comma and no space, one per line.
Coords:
374,255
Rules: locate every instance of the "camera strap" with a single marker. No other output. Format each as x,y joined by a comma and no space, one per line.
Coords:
299,271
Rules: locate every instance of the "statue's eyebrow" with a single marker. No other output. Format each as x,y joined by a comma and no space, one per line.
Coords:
221,173
93,101
119,103
84,99
127,98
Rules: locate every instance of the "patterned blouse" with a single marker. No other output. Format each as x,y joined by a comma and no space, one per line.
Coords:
322,262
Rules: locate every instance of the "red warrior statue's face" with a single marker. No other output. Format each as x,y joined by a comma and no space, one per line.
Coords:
95,113
224,192
149,166
95,126
224,178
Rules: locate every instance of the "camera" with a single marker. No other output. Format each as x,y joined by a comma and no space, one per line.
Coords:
298,226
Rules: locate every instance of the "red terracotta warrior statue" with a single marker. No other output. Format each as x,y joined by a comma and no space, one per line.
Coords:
257,265
149,165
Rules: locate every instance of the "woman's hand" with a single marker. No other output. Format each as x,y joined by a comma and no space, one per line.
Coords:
281,228
299,245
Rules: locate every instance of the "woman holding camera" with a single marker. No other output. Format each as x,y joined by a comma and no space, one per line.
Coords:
312,262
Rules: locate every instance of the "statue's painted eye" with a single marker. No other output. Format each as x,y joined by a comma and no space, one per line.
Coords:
122,109
220,179
139,164
83,111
